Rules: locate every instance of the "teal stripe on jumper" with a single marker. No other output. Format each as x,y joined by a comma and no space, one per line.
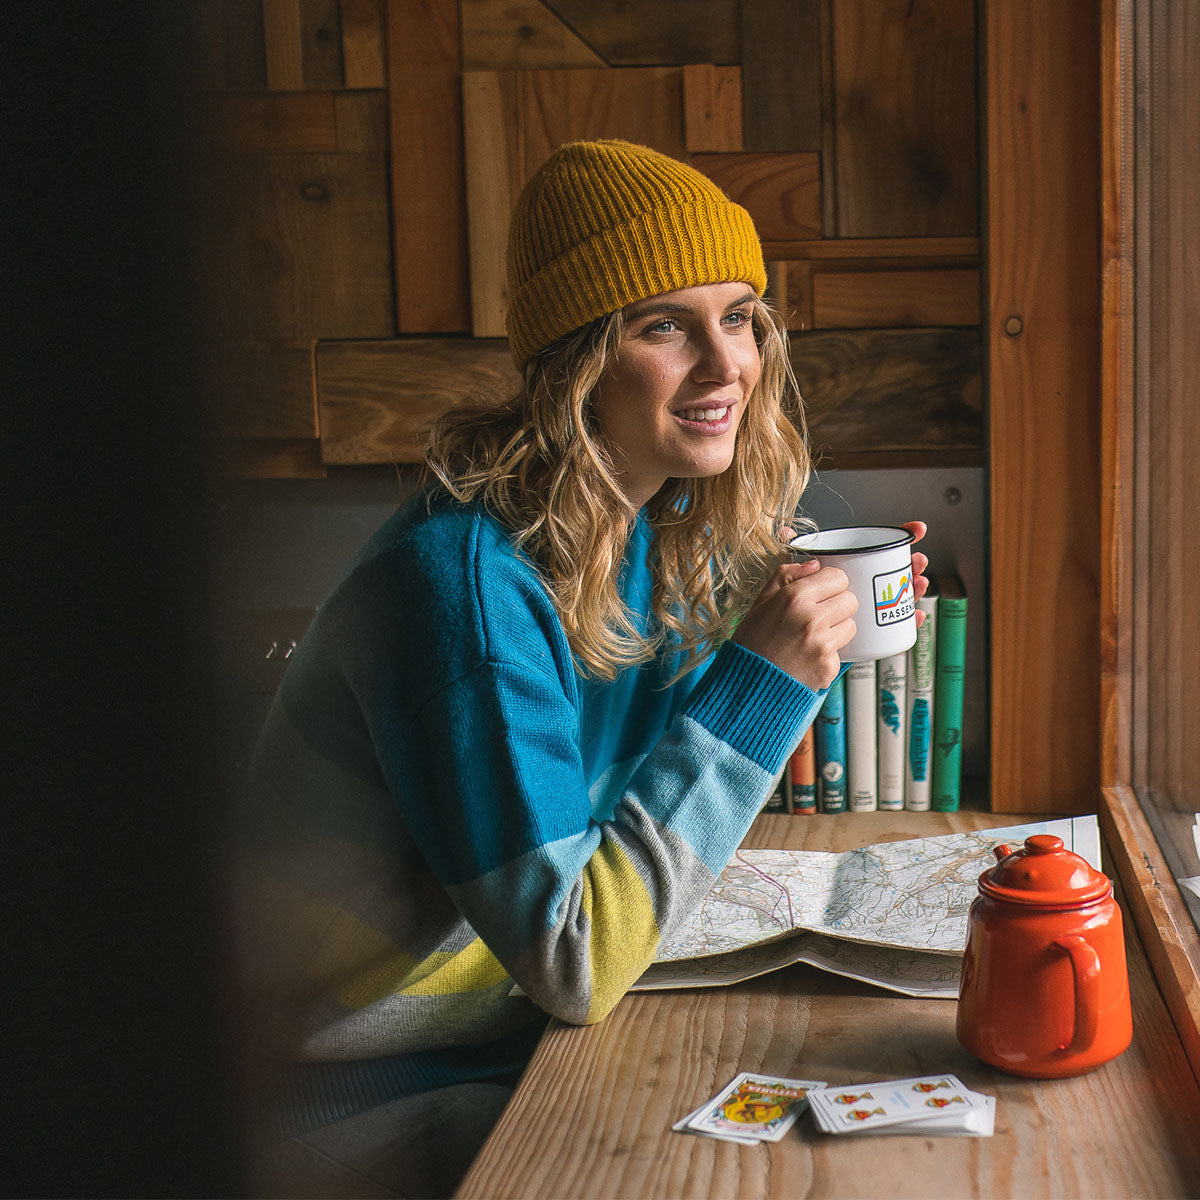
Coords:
733,695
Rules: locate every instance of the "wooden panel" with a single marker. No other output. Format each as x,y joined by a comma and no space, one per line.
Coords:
1117,393
494,178
276,458
632,35
792,288
513,120
1044,435
1159,910
1169,408
299,247
712,107
506,35
782,192
828,125
619,1085
280,123
850,299
362,126
934,251
299,122
781,63
641,105
896,390
244,44
377,400
905,109
261,389
429,219
321,43
362,43
282,31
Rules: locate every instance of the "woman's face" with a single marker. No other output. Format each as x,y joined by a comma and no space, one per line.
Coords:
670,403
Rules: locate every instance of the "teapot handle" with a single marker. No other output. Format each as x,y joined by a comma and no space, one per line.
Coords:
1085,964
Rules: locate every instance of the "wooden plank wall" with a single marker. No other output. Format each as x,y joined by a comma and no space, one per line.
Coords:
370,151
1044,404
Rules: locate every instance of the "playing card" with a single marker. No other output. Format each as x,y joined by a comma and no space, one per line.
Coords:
891,1102
683,1126
978,1122
760,1107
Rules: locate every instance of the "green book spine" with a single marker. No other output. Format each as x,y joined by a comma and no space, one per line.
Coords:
950,657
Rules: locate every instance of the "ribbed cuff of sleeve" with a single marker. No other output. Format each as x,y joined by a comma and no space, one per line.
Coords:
753,705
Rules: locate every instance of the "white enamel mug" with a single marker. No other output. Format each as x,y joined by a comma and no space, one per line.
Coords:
878,562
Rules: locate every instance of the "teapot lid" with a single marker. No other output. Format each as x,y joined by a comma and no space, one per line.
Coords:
1042,872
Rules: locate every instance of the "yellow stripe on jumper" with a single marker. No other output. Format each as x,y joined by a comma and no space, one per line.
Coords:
622,927
359,965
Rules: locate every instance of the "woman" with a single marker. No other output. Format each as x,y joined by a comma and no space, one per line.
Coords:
520,740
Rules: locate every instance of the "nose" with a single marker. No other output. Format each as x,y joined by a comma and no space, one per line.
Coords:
716,359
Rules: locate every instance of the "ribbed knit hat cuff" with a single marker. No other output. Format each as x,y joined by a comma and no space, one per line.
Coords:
658,251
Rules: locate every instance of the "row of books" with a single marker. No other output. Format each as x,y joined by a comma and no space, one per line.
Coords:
888,734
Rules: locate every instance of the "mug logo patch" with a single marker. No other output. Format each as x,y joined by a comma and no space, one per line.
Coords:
894,599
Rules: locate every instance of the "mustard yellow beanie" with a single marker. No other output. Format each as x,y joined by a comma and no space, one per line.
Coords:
603,224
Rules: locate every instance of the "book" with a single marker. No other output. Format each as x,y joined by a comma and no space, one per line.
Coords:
921,660
950,660
830,747
803,766
891,690
860,737
774,803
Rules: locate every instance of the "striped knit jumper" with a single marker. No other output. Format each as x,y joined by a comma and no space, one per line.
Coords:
444,805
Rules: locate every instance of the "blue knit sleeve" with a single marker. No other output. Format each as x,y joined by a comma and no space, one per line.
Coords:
473,717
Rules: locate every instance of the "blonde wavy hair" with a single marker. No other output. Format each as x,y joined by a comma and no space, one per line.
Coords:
540,465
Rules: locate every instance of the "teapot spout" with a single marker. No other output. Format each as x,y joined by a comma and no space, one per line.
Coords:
1001,852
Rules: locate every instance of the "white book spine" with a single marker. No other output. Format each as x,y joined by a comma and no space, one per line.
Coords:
860,736
891,708
917,761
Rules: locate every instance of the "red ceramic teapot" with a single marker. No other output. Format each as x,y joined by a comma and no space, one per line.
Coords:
1045,991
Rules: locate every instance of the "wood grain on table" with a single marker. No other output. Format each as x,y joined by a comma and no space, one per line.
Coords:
592,1116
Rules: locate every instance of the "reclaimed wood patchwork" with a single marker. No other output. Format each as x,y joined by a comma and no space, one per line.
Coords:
782,192
712,108
505,35
428,188
912,394
378,400
781,68
905,113
261,390
263,208
850,299
362,44
635,35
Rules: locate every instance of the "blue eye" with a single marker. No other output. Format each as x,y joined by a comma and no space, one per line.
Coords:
740,316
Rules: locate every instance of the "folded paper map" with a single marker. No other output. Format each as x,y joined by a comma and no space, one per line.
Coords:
892,914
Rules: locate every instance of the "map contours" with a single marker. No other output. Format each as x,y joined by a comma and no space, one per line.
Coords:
910,895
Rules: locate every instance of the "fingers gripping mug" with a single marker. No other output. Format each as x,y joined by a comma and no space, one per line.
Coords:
877,560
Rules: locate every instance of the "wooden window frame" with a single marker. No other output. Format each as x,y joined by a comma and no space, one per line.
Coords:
1132,45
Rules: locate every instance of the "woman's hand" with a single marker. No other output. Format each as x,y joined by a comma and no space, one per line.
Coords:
801,619
804,615
919,563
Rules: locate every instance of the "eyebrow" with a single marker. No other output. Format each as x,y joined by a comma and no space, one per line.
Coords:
645,308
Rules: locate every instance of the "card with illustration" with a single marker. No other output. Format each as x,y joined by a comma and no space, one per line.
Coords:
761,1107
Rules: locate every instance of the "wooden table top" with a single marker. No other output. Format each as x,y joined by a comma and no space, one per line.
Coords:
592,1115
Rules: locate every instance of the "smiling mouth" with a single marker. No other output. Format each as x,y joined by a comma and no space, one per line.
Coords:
704,414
